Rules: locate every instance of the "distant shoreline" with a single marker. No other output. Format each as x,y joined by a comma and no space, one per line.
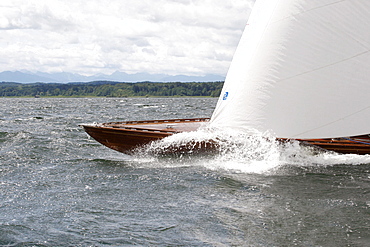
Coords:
111,89
81,97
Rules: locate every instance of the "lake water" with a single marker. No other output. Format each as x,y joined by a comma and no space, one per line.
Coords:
61,188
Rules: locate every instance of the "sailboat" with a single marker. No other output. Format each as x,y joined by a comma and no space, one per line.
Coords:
301,72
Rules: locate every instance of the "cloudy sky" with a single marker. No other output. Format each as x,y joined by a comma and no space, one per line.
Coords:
189,37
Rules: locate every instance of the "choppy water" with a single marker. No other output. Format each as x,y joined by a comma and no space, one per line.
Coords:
60,188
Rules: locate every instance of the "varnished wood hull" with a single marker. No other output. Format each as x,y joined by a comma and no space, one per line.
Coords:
122,140
345,145
125,137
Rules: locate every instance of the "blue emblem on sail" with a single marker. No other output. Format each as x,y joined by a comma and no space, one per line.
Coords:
226,94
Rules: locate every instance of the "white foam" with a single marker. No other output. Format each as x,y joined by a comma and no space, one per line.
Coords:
241,152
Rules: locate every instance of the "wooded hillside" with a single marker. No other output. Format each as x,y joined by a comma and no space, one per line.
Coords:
111,89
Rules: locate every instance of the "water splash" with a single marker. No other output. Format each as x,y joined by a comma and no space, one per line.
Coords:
239,152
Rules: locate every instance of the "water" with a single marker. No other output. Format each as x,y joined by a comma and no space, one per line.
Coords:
61,188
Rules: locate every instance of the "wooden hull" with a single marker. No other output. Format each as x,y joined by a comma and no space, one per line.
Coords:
125,137
345,145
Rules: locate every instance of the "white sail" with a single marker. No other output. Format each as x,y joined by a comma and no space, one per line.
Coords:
301,70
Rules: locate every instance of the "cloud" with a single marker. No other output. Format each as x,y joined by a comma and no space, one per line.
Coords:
31,15
193,37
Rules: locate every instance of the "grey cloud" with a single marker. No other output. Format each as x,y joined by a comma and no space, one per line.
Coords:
139,41
149,51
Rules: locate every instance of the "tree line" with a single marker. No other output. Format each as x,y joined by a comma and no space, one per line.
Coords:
111,89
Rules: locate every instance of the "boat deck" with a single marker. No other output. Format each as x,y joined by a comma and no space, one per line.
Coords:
167,126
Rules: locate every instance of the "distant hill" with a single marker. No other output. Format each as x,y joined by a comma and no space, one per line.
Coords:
64,77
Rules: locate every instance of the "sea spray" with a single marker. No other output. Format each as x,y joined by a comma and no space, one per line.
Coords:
228,149
221,149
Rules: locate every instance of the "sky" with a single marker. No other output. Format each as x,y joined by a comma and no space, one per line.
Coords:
187,37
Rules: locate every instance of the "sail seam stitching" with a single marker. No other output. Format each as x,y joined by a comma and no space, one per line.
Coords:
327,124
306,11
326,66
